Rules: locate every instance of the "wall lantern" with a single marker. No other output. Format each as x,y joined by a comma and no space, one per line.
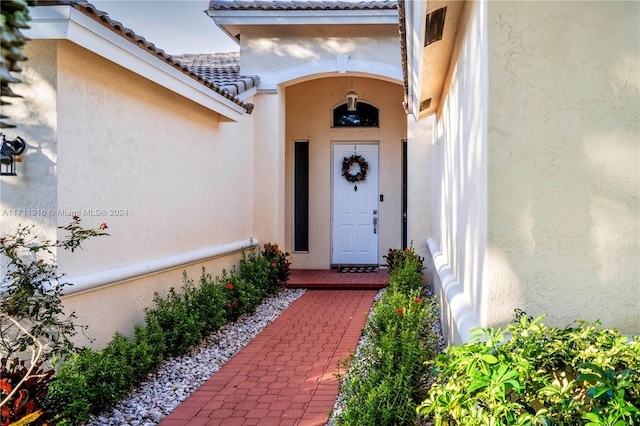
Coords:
352,100
10,154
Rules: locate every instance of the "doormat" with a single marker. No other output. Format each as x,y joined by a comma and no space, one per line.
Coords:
358,269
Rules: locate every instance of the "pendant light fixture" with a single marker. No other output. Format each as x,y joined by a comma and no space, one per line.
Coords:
352,98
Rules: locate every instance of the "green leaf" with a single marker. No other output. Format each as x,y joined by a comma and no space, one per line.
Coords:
587,377
489,359
594,417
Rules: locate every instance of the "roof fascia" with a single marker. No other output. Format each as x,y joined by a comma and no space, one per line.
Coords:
303,17
64,22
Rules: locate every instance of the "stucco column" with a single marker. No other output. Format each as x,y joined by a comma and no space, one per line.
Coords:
419,183
269,168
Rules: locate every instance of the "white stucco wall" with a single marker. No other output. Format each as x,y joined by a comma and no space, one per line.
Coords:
564,221
162,171
420,171
272,48
30,197
309,108
460,171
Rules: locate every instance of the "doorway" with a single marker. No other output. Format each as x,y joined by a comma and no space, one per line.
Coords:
355,210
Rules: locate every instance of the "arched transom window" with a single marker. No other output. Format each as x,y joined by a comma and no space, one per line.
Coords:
365,115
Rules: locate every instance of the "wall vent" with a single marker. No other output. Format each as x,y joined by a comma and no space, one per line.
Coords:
435,26
426,104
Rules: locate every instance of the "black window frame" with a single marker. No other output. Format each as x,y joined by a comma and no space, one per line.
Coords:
365,115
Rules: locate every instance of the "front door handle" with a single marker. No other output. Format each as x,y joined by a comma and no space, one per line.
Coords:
375,224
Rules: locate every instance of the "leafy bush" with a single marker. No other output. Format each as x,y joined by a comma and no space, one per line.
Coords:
28,296
385,382
146,351
209,303
242,297
68,402
398,258
261,272
407,275
278,259
93,381
530,374
173,315
32,318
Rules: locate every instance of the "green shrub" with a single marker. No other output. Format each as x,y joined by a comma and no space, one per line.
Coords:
278,260
580,375
386,386
398,258
93,381
258,270
180,325
242,296
208,304
146,350
68,401
406,278
32,318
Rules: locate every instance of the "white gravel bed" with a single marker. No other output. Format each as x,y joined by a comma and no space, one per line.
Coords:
179,377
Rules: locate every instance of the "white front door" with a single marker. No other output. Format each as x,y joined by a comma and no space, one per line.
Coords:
355,227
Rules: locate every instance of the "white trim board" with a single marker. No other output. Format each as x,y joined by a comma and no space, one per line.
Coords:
460,310
98,279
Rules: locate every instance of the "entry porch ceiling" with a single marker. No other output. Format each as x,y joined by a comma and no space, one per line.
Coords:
430,28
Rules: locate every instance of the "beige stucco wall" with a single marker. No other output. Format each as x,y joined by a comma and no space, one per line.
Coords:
273,48
30,197
159,169
269,167
536,177
308,118
128,144
564,156
460,168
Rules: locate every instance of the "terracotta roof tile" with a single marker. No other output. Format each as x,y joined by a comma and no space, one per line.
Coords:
221,69
194,72
300,5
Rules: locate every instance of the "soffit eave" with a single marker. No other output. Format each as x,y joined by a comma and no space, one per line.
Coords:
426,67
66,23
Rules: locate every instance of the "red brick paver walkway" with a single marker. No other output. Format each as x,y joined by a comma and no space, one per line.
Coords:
285,376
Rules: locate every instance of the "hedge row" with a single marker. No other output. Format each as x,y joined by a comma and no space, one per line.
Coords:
384,382
93,381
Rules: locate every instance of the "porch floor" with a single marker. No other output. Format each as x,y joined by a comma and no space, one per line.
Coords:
284,376
335,279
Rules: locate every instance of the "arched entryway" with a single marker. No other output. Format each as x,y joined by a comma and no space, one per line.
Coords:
315,147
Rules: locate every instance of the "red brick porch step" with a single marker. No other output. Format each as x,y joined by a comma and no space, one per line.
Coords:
333,279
